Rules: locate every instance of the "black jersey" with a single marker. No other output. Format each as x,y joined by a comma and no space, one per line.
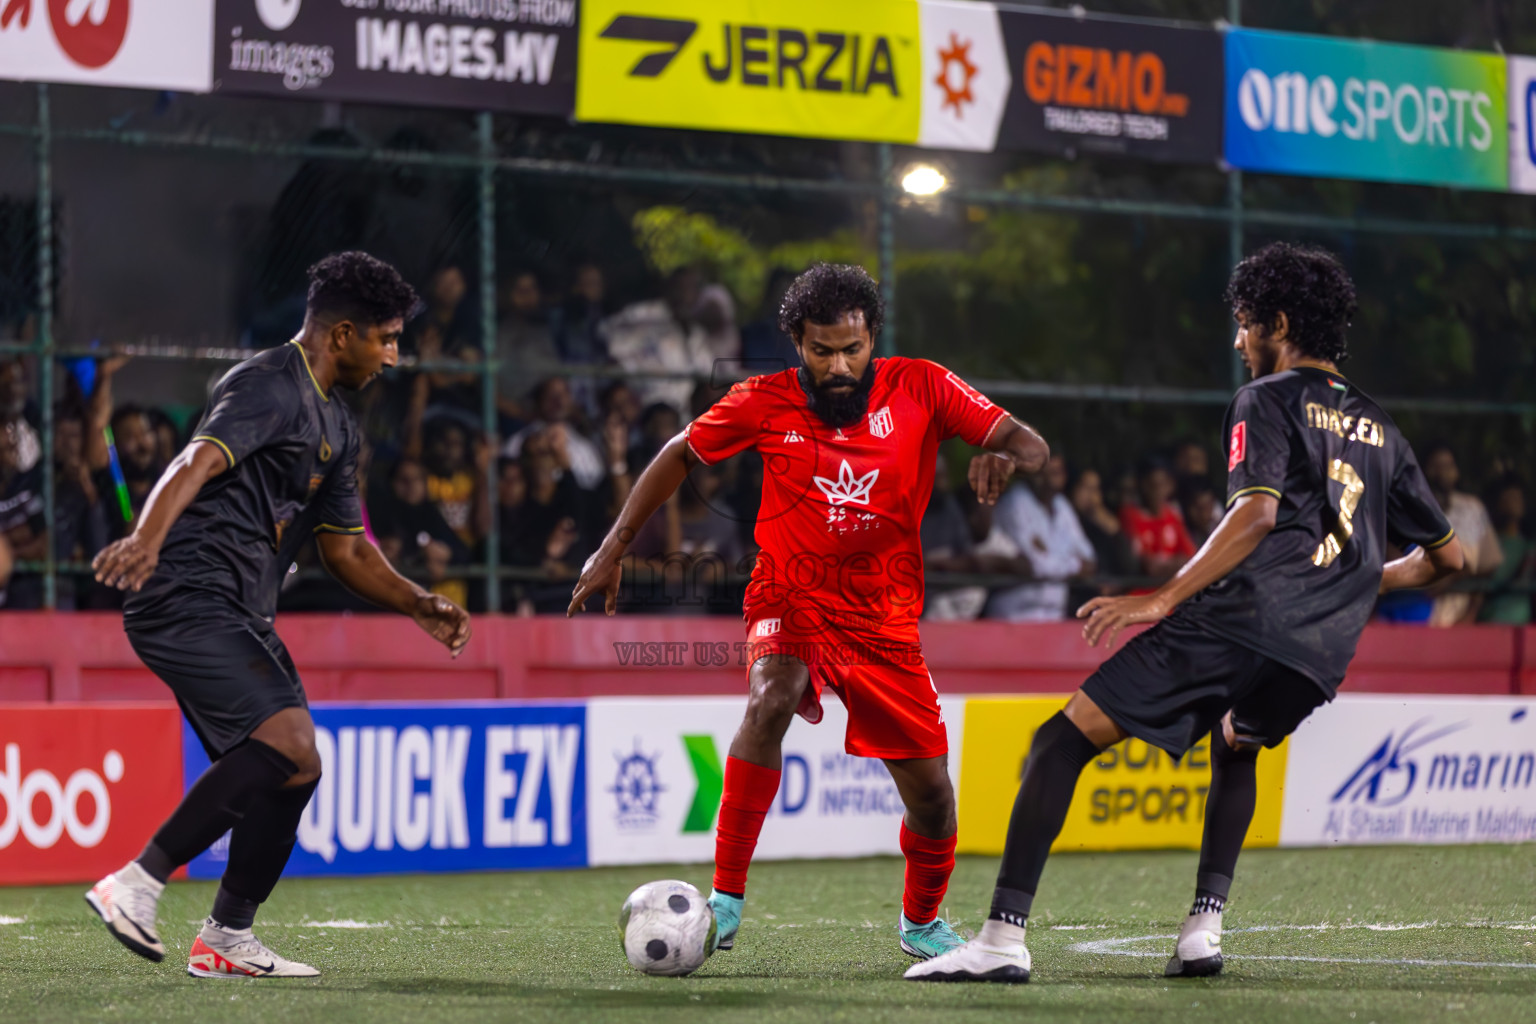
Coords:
1347,483
292,473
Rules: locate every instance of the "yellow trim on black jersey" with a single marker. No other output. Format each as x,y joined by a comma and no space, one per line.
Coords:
1252,490
222,446
1442,542
305,356
331,528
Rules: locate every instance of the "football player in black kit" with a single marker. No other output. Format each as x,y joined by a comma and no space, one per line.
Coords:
1258,628
273,463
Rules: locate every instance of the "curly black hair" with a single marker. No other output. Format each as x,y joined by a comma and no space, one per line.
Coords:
1310,286
355,286
825,292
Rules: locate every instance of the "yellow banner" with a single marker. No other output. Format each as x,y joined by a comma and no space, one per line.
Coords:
843,70
1135,797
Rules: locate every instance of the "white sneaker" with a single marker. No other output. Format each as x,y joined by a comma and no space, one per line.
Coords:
221,952
127,901
975,961
1198,954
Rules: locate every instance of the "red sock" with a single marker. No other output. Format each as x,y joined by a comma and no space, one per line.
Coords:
929,864
749,792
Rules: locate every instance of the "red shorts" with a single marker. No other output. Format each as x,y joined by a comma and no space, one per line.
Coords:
893,706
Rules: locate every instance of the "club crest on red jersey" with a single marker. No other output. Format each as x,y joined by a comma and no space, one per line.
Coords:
1239,449
880,423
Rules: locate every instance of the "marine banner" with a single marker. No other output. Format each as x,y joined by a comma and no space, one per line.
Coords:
506,55
110,42
1347,108
657,766
435,787
1103,85
846,70
1134,797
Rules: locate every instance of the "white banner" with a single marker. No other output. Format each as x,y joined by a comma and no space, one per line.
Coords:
1522,111
1368,769
654,767
965,77
146,44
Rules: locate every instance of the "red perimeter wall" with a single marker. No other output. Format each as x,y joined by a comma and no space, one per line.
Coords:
85,657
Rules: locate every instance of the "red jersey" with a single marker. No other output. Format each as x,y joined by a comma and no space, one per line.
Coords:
1159,536
841,507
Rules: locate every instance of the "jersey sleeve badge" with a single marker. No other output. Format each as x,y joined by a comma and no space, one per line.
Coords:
1238,451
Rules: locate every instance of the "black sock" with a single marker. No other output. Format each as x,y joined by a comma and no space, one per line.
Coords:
258,852
1057,757
214,804
1228,813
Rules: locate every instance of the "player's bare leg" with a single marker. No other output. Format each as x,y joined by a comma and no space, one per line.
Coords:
1062,748
775,685
928,843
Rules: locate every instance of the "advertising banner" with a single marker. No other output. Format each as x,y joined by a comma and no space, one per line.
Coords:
512,55
965,74
436,787
846,70
1358,109
1374,769
1134,797
1107,86
656,770
83,788
110,42
1522,116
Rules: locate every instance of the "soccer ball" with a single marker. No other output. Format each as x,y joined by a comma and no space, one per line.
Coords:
667,928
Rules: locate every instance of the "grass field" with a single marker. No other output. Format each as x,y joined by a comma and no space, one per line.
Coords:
1360,935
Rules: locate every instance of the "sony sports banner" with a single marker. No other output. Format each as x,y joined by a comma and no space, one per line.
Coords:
435,787
83,787
132,43
845,70
1134,797
1522,119
656,770
1373,769
1103,85
1360,109
512,55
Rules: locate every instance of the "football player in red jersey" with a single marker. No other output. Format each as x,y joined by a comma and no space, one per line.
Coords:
848,444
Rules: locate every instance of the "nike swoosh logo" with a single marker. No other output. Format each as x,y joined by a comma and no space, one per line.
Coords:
263,968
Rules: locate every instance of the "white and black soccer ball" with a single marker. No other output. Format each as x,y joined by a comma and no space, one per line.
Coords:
667,928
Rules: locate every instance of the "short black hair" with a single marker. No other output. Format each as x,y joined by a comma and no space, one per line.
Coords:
354,286
825,292
1310,286
1434,448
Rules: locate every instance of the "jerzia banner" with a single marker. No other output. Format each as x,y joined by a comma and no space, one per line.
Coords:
1107,86
505,55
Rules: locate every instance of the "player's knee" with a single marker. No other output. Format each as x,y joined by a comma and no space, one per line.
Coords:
774,693
1230,746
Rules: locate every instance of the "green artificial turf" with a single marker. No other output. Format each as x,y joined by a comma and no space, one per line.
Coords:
818,943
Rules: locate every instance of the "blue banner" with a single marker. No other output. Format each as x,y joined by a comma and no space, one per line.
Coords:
436,787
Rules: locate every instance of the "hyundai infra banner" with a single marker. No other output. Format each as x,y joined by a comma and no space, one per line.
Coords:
511,55
436,787
1107,86
1358,109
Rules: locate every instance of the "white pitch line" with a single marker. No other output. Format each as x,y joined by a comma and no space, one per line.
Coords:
12,920
1111,947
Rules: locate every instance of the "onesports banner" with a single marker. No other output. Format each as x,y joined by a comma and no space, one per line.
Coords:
436,787
1102,85
845,70
1134,797
1359,109
134,43
655,770
1522,119
508,55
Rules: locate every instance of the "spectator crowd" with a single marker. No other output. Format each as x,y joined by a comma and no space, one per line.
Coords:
585,394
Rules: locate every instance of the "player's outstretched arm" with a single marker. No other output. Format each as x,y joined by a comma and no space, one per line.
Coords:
1240,531
1014,446
362,568
661,478
126,564
1422,567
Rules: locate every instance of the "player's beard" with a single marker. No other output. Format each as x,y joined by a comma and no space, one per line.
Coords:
839,410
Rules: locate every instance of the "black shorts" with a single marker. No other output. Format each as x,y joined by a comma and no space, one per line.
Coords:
228,678
1172,684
